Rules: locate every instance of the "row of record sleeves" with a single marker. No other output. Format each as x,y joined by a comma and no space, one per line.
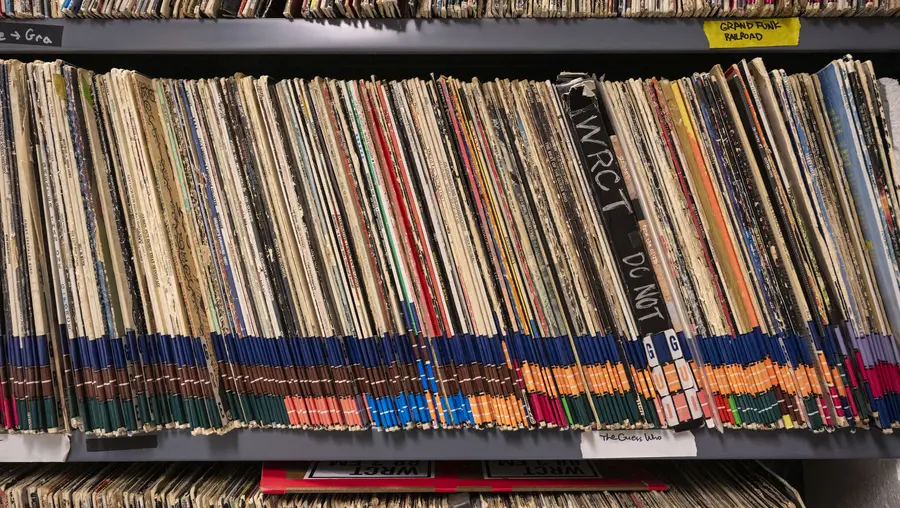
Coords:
719,250
672,484
460,9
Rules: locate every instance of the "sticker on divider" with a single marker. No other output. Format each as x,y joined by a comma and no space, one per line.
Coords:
623,444
349,469
34,447
558,469
752,33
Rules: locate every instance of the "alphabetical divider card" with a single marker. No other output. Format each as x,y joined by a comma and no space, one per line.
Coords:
752,33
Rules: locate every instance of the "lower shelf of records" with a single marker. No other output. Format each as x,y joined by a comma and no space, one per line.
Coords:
719,250
410,483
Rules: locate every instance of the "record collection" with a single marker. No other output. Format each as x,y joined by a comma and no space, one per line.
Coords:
716,250
472,9
693,484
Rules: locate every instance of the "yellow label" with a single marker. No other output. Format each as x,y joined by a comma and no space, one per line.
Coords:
752,33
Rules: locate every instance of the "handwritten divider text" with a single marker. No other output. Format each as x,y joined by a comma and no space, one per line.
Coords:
749,33
32,34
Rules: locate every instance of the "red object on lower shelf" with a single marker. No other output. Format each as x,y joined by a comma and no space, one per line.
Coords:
447,477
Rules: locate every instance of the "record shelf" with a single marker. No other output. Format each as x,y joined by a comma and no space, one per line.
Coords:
519,36
275,445
287,445
662,38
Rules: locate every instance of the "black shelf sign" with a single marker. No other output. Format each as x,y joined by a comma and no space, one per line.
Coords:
119,443
12,32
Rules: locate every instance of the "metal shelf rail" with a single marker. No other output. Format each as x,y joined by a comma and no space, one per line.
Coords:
277,445
273,36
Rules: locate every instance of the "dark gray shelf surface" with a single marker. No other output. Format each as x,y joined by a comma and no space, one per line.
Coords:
262,36
253,445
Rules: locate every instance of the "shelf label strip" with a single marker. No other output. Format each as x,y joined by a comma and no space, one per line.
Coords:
31,34
626,444
34,447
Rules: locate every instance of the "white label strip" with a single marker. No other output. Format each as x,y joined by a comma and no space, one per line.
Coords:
34,447
626,444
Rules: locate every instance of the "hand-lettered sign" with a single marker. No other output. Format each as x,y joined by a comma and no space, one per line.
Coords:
32,34
752,33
